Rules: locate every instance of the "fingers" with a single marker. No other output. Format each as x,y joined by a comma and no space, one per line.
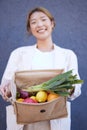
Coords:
1,91
5,92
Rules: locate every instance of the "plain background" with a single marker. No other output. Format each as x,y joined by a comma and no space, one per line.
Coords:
70,32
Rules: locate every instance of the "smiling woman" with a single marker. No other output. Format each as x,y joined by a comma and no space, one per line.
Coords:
42,56
41,26
40,10
41,23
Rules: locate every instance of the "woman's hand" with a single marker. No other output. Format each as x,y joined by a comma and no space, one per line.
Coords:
5,91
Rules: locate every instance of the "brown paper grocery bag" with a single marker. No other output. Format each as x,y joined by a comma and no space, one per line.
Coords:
31,113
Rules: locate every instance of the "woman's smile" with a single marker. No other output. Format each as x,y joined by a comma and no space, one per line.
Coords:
41,30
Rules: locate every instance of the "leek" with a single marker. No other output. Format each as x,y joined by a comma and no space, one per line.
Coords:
61,84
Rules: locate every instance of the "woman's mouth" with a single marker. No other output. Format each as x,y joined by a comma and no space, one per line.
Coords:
41,30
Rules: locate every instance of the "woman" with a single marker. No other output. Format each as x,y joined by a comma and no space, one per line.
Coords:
45,54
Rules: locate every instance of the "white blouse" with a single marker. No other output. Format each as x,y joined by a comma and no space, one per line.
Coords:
28,58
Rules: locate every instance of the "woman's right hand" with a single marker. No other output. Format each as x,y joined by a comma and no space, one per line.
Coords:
5,91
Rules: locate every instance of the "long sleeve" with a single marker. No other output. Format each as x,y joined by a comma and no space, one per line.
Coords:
20,59
73,65
11,67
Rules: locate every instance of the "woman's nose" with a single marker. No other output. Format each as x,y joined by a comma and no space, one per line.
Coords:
39,23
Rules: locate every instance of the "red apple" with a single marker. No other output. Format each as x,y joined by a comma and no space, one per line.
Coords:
29,100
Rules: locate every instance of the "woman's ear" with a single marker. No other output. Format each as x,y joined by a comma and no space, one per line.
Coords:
53,24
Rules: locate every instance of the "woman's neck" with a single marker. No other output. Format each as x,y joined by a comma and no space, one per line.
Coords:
45,45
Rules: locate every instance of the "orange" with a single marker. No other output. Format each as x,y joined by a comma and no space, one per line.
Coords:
52,96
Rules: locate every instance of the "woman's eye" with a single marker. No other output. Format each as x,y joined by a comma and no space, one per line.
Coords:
33,22
43,19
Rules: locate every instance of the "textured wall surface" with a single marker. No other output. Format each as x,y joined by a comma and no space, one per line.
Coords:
70,32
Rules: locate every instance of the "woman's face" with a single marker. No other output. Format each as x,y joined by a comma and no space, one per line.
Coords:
41,26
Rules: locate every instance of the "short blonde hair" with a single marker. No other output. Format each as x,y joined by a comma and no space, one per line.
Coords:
38,9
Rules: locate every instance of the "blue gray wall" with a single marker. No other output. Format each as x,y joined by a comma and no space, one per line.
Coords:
70,32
